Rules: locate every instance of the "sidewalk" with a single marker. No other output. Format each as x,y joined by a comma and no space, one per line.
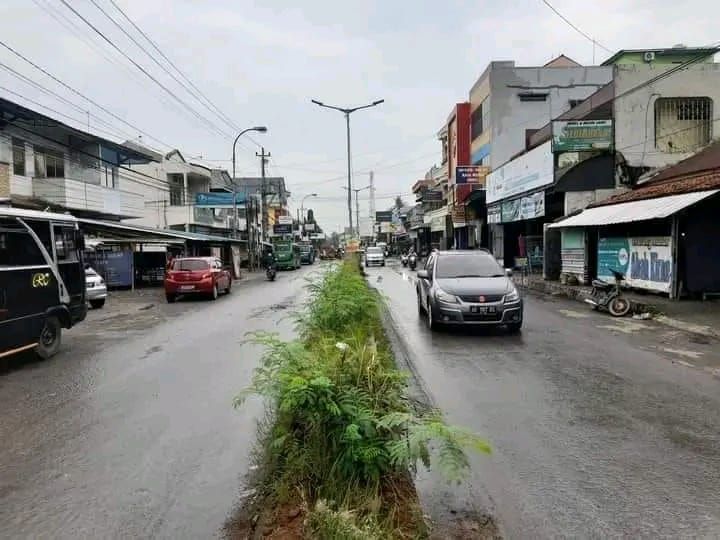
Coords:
694,316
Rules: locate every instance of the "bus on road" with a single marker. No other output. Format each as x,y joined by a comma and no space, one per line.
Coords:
42,280
287,255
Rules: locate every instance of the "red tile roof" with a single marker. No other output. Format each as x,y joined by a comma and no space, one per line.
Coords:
699,172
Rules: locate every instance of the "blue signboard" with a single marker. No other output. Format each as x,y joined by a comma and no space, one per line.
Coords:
219,199
119,268
613,253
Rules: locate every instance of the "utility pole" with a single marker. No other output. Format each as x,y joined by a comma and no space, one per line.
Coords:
372,205
263,191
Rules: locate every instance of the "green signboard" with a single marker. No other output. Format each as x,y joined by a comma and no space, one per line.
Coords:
613,253
582,135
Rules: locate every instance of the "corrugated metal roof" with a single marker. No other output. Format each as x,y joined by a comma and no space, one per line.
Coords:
643,210
164,233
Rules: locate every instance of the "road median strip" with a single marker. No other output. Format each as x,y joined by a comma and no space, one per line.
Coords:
343,439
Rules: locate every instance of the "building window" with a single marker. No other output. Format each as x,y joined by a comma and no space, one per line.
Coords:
533,96
49,164
682,124
18,148
110,176
177,193
476,122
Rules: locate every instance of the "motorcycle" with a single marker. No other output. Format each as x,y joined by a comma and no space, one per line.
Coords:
404,260
609,296
412,261
271,272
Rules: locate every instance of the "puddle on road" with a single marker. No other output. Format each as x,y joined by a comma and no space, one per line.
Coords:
574,314
626,327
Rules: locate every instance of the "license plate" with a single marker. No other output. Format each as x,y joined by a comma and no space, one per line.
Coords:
187,287
482,309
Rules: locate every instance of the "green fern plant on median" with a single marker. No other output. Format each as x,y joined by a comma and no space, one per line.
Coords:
343,428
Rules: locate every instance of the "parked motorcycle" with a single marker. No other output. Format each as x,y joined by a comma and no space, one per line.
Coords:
609,296
404,260
412,261
271,272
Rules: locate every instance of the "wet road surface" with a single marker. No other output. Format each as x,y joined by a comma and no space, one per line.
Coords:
130,431
601,427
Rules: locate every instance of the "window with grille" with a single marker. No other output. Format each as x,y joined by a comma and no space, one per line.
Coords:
682,124
177,193
18,148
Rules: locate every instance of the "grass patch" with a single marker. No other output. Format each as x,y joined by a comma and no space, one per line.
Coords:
344,439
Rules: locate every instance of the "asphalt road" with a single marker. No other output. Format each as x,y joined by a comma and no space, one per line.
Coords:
601,427
130,431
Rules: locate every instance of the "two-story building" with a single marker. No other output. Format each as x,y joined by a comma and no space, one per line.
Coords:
45,163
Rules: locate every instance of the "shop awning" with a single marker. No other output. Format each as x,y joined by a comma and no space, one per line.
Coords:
135,233
643,210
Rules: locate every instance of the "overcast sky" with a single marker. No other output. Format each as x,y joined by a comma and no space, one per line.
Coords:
261,65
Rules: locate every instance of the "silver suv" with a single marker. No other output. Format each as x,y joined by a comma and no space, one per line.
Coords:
468,287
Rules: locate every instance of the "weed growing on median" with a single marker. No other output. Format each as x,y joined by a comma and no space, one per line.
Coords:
344,431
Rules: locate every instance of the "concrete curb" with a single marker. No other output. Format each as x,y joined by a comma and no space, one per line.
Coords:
578,294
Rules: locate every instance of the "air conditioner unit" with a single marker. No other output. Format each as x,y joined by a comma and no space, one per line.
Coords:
649,56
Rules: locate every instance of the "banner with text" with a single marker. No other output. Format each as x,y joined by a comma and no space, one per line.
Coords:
645,261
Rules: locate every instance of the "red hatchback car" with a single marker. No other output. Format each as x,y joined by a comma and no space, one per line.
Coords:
196,275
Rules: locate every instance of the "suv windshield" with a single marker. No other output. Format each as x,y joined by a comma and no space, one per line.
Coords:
461,266
374,250
190,265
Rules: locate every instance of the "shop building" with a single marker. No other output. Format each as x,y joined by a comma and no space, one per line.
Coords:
664,235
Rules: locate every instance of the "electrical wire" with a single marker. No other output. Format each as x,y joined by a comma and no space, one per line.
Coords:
165,57
199,116
80,94
594,41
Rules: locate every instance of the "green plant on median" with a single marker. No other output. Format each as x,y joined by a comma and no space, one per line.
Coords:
344,431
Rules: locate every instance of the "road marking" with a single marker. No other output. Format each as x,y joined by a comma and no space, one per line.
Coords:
682,352
574,314
626,327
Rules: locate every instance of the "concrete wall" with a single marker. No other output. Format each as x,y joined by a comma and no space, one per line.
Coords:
510,117
578,200
634,113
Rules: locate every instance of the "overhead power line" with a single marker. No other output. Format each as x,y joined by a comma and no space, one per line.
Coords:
177,69
80,94
161,66
149,75
591,39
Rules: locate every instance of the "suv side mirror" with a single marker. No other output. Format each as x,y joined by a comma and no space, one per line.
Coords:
423,274
508,272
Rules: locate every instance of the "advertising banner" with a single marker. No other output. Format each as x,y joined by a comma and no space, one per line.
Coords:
309,227
437,223
528,207
220,199
119,268
471,174
645,261
458,216
582,135
527,172
494,214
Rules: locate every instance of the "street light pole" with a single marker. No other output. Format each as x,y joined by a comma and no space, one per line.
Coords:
347,112
357,204
302,213
259,129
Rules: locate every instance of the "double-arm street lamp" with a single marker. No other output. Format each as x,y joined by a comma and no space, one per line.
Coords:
347,112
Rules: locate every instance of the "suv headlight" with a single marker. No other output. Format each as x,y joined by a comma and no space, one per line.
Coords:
442,296
512,296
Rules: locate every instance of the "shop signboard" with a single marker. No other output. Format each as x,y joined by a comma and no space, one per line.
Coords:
494,214
119,268
309,227
528,207
471,174
220,199
432,195
458,216
383,216
437,223
582,135
528,172
645,261
285,220
282,228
